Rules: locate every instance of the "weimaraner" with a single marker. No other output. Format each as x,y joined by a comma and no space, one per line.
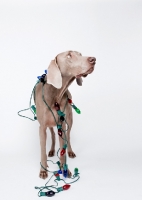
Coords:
62,71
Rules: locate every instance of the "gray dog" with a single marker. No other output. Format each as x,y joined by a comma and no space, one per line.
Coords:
62,71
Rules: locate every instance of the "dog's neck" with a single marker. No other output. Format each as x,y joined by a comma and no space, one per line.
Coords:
57,94
66,82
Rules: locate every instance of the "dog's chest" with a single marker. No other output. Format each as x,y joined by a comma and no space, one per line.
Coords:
49,116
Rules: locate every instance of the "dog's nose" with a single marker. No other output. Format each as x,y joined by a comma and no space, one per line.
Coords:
92,60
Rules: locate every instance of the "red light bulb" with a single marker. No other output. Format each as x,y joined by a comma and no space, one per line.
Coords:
60,132
56,174
66,187
62,152
69,100
57,107
50,193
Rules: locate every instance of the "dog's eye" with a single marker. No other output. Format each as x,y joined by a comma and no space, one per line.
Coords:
69,55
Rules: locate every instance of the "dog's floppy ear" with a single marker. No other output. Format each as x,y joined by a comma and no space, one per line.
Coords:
54,75
79,81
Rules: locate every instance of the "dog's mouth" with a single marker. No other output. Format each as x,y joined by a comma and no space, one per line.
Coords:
87,72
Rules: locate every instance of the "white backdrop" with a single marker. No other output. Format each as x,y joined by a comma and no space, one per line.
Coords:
107,135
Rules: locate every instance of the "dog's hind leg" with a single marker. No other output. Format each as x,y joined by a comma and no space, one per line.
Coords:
42,134
52,150
71,154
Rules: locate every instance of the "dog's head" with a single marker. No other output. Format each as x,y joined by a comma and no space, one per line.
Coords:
69,64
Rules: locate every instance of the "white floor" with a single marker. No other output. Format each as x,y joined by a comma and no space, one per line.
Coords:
118,178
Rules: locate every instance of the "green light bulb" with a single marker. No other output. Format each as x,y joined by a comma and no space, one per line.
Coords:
76,170
59,126
58,163
77,110
33,108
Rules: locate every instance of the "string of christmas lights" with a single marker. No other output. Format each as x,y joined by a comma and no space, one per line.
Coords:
64,169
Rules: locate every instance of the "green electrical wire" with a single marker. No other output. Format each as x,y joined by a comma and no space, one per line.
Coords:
33,91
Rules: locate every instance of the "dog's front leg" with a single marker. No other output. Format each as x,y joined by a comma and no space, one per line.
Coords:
62,158
42,134
61,141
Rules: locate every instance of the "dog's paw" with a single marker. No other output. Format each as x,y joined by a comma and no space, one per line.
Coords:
43,174
51,153
71,154
69,174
